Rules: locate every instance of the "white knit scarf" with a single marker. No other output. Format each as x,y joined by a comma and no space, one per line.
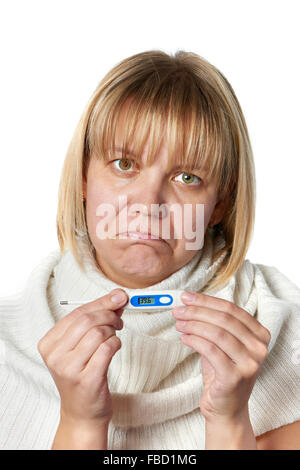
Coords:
155,380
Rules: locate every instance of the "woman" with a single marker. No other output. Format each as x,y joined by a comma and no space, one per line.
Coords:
160,131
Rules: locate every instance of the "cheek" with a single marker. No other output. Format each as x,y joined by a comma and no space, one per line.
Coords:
208,210
197,216
97,195
209,200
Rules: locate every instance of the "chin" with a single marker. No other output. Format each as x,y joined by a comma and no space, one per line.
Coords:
146,265
144,271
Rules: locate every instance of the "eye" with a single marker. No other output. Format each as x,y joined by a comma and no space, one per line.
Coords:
124,162
189,178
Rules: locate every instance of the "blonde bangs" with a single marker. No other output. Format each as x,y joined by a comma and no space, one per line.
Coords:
197,137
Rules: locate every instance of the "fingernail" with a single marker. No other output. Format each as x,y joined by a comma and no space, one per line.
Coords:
188,296
118,298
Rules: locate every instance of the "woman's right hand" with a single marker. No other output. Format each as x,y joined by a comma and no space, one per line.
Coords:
78,351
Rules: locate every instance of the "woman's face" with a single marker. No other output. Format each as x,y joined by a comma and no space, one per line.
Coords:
138,263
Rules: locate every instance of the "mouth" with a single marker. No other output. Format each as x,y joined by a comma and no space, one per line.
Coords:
141,236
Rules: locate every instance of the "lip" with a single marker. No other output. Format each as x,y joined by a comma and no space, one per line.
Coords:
142,236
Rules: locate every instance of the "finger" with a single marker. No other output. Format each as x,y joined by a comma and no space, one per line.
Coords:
233,325
203,300
59,329
99,362
230,345
89,343
222,364
107,302
82,325
112,301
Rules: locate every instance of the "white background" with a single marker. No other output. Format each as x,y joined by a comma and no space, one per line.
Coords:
54,53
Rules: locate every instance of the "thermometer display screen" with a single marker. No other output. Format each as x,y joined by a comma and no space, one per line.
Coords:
146,300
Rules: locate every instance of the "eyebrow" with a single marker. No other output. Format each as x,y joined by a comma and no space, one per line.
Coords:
177,167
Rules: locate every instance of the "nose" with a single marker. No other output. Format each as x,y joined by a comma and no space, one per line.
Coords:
150,195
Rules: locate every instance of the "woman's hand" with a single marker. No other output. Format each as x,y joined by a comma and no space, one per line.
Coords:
232,345
78,351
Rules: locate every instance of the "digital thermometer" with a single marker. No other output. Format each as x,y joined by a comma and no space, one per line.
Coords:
144,300
154,300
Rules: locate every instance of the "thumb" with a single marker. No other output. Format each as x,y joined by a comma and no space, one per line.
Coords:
115,300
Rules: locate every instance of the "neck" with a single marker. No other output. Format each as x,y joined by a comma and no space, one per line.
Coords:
133,280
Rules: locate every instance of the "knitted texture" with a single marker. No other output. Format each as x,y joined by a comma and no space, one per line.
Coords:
155,380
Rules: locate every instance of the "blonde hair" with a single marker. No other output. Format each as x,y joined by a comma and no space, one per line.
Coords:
189,99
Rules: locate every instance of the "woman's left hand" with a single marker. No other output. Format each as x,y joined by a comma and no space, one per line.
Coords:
232,345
